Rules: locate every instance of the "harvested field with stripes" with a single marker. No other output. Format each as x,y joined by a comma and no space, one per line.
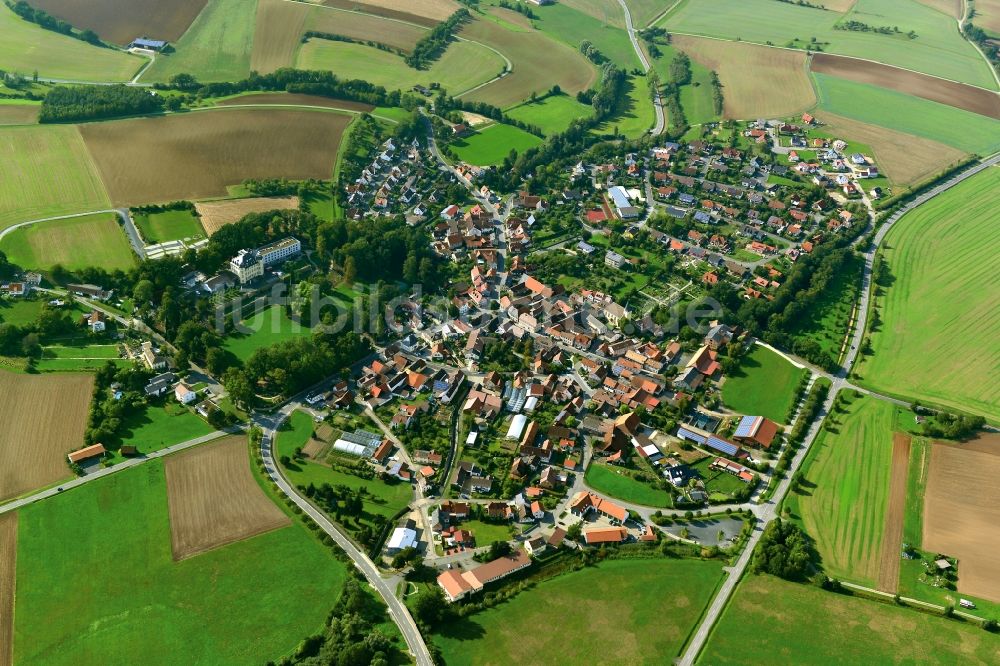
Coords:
429,11
962,511
970,98
217,214
44,418
214,498
892,540
8,560
198,154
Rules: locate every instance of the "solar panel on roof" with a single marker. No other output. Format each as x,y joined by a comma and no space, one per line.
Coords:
745,429
722,445
684,433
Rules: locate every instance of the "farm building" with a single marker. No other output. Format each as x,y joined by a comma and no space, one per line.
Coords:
756,431
401,539
86,453
600,535
457,584
358,443
148,44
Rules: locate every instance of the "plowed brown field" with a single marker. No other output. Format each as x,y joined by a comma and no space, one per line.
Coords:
121,21
214,498
196,155
217,214
421,12
962,511
892,540
42,418
8,559
961,96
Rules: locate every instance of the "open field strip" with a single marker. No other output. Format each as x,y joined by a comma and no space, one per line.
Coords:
572,27
539,62
895,512
763,384
19,114
988,15
608,12
952,8
217,214
936,341
214,499
27,48
463,66
73,243
842,503
200,153
435,10
46,172
905,159
273,579
217,46
44,418
121,21
757,81
969,132
650,605
8,562
938,50
968,98
788,618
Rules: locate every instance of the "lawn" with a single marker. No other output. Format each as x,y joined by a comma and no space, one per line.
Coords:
162,424
487,533
843,502
939,49
552,114
216,47
168,225
464,65
636,115
791,624
936,340
78,358
650,606
764,384
27,48
74,243
46,171
617,483
283,583
268,327
20,312
386,499
951,126
492,144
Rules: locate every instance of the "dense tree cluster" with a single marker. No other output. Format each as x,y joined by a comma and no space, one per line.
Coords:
66,104
592,53
717,97
608,97
784,551
858,26
519,7
952,426
107,413
434,43
24,340
680,70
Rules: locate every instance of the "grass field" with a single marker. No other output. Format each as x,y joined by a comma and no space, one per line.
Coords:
904,158
121,21
216,47
572,27
161,425
123,519
463,66
636,114
552,114
77,357
650,605
19,114
27,48
938,49
960,129
47,172
868,632
44,418
842,504
214,499
742,68
615,483
268,327
74,243
492,144
20,312
936,341
168,225
539,63
764,384
608,12
201,153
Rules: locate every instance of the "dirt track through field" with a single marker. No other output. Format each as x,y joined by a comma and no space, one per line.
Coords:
892,539
121,21
962,511
961,96
42,418
217,214
214,498
196,155
8,561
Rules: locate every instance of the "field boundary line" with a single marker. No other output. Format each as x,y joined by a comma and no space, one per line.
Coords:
307,107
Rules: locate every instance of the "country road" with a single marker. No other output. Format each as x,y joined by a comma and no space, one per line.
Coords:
135,240
769,511
658,102
386,588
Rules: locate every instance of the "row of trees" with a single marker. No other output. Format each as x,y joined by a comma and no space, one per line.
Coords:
609,96
70,104
434,43
49,22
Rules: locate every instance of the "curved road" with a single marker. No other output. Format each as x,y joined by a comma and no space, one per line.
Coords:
658,102
400,615
133,235
768,511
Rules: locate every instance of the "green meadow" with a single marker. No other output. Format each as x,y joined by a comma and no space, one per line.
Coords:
552,114
168,225
97,583
74,243
763,384
491,144
267,327
616,482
